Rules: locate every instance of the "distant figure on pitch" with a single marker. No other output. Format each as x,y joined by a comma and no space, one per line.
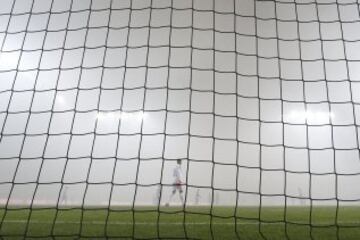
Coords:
178,182
64,197
301,196
197,197
157,196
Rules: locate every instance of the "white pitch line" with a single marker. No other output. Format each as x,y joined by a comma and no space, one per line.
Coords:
170,223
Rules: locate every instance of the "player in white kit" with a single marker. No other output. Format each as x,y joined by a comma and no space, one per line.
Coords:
64,196
178,183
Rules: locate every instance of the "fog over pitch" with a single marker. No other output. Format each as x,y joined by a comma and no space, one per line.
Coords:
274,110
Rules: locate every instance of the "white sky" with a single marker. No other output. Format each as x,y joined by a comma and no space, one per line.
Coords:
101,111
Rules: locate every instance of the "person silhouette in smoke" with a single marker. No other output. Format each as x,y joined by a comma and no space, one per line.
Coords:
64,196
178,183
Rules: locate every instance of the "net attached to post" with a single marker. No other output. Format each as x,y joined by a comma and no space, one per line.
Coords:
179,119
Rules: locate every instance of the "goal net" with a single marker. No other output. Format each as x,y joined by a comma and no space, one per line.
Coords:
100,99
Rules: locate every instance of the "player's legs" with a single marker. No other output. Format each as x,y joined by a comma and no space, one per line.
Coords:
181,195
171,196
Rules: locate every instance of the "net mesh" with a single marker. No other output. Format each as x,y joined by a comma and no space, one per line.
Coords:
99,99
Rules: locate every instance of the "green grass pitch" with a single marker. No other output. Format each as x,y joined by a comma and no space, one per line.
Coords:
177,223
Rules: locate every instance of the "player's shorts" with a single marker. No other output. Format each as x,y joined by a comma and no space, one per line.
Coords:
177,186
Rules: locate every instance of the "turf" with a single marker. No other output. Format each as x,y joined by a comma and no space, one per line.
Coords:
177,223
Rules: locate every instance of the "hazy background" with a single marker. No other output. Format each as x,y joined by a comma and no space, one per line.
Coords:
99,98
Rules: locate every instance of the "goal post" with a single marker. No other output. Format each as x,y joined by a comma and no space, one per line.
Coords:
180,119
